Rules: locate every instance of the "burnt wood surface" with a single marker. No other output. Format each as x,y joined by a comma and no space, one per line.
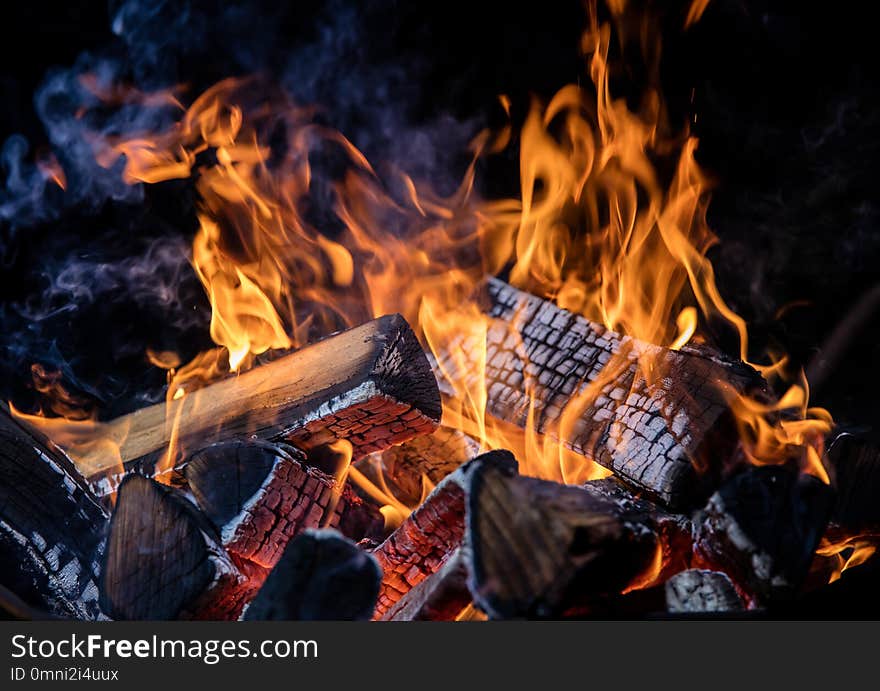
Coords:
433,456
440,597
700,590
371,385
541,549
260,494
668,436
762,528
321,576
164,560
429,535
855,468
52,526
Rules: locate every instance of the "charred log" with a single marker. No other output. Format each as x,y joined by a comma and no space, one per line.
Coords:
429,535
52,526
371,385
440,597
321,576
540,549
762,528
164,560
700,591
667,436
259,495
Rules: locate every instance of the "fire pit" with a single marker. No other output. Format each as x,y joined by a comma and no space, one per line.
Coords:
349,392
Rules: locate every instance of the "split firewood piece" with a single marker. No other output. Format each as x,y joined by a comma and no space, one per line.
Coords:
668,436
432,456
51,526
321,576
429,535
371,385
260,494
699,591
855,467
541,549
762,528
164,560
440,597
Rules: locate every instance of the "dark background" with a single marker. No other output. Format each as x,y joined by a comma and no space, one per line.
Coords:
783,93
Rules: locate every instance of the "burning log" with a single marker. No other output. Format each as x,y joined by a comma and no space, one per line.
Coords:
429,535
432,456
164,560
699,590
440,597
540,549
371,385
762,528
652,434
259,495
51,526
856,477
321,576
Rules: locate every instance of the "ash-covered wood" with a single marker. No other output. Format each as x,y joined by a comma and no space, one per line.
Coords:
440,597
321,576
668,436
51,526
540,549
371,385
701,591
762,528
164,560
429,535
261,494
432,456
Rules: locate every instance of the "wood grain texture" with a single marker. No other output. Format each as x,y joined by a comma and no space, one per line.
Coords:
371,385
51,526
762,528
540,549
428,536
697,591
321,576
656,434
164,560
259,495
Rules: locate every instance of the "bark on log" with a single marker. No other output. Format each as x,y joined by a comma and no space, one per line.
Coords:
371,385
51,526
322,576
440,597
164,560
433,456
653,434
259,495
540,549
701,591
762,528
429,535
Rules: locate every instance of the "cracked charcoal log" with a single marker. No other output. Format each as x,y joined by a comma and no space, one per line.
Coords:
433,456
51,526
260,494
429,535
321,576
674,531
440,597
541,549
761,528
653,435
164,560
699,590
371,385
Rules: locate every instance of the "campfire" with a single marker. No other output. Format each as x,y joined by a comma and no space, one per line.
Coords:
428,405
